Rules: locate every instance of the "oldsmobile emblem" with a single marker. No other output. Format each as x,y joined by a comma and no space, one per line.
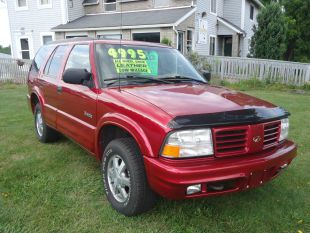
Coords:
257,139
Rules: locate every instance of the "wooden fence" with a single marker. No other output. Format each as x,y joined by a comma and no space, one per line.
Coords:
14,70
236,68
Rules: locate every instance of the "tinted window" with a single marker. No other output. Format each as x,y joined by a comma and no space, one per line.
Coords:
79,58
54,64
40,57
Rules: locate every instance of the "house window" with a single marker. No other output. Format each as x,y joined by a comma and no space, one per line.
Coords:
21,3
45,2
110,37
212,46
181,41
213,6
110,5
251,12
46,39
189,40
75,36
148,37
24,45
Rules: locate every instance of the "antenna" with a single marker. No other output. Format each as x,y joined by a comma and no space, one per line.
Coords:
120,46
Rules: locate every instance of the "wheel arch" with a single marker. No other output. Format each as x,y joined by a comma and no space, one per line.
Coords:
113,126
35,98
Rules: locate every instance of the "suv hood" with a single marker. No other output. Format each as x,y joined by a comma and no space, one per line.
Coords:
191,99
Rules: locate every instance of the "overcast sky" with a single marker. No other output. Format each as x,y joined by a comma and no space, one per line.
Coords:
4,26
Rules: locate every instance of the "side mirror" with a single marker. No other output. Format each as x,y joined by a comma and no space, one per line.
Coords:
206,74
76,76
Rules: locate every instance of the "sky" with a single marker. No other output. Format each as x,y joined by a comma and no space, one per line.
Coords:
4,26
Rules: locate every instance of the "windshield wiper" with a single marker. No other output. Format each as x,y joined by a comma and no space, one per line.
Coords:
182,78
135,78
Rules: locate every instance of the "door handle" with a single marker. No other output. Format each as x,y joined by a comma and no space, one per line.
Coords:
59,89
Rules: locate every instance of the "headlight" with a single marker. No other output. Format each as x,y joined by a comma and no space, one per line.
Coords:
188,143
284,129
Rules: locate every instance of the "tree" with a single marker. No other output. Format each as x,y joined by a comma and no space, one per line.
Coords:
6,50
298,36
269,38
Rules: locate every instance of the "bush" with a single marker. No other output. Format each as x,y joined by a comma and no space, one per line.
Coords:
166,41
198,61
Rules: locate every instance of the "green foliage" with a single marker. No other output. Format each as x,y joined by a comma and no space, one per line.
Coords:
200,63
269,39
166,41
6,50
298,45
256,84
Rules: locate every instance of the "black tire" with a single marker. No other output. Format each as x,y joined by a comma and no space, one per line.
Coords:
140,197
46,134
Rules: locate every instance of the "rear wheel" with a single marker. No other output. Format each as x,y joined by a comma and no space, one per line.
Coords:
43,131
124,178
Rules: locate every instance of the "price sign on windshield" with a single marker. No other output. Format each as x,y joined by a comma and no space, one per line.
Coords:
134,61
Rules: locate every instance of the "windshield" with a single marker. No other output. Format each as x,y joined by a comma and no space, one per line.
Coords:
131,63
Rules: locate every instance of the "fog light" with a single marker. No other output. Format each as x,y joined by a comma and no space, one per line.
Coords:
193,189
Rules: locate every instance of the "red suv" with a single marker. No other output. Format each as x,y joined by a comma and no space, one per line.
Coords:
154,122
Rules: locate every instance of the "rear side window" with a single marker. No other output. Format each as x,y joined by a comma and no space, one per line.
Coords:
40,58
53,65
79,58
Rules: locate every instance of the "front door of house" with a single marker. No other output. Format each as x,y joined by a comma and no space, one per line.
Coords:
228,46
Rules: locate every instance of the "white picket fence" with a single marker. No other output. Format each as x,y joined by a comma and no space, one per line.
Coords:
236,68
14,70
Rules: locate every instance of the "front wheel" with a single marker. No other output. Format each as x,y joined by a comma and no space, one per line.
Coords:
43,131
124,178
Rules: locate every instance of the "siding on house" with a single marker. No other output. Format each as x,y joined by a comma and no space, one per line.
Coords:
205,6
75,9
237,12
31,23
138,5
232,11
248,26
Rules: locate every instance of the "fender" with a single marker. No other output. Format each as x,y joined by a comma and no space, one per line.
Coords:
35,90
128,125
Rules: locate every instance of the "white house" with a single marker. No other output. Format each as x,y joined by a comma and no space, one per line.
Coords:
31,22
224,27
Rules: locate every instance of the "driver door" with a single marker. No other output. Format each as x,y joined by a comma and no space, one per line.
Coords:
77,106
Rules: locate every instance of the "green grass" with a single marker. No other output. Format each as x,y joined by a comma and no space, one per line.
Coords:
58,188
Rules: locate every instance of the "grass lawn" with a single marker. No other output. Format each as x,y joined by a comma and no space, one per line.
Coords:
58,188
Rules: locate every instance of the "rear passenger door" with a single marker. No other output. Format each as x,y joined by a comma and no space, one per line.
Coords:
77,107
48,83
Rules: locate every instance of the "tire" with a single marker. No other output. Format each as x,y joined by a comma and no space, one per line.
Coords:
44,133
131,180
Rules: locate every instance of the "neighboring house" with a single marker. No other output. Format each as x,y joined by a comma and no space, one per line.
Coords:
31,22
224,27
144,20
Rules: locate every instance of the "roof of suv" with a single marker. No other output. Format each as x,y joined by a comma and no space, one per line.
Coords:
89,39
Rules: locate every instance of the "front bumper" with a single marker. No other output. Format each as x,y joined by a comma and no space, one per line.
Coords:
170,178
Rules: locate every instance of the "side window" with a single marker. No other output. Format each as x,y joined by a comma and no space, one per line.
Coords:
53,66
39,59
79,58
